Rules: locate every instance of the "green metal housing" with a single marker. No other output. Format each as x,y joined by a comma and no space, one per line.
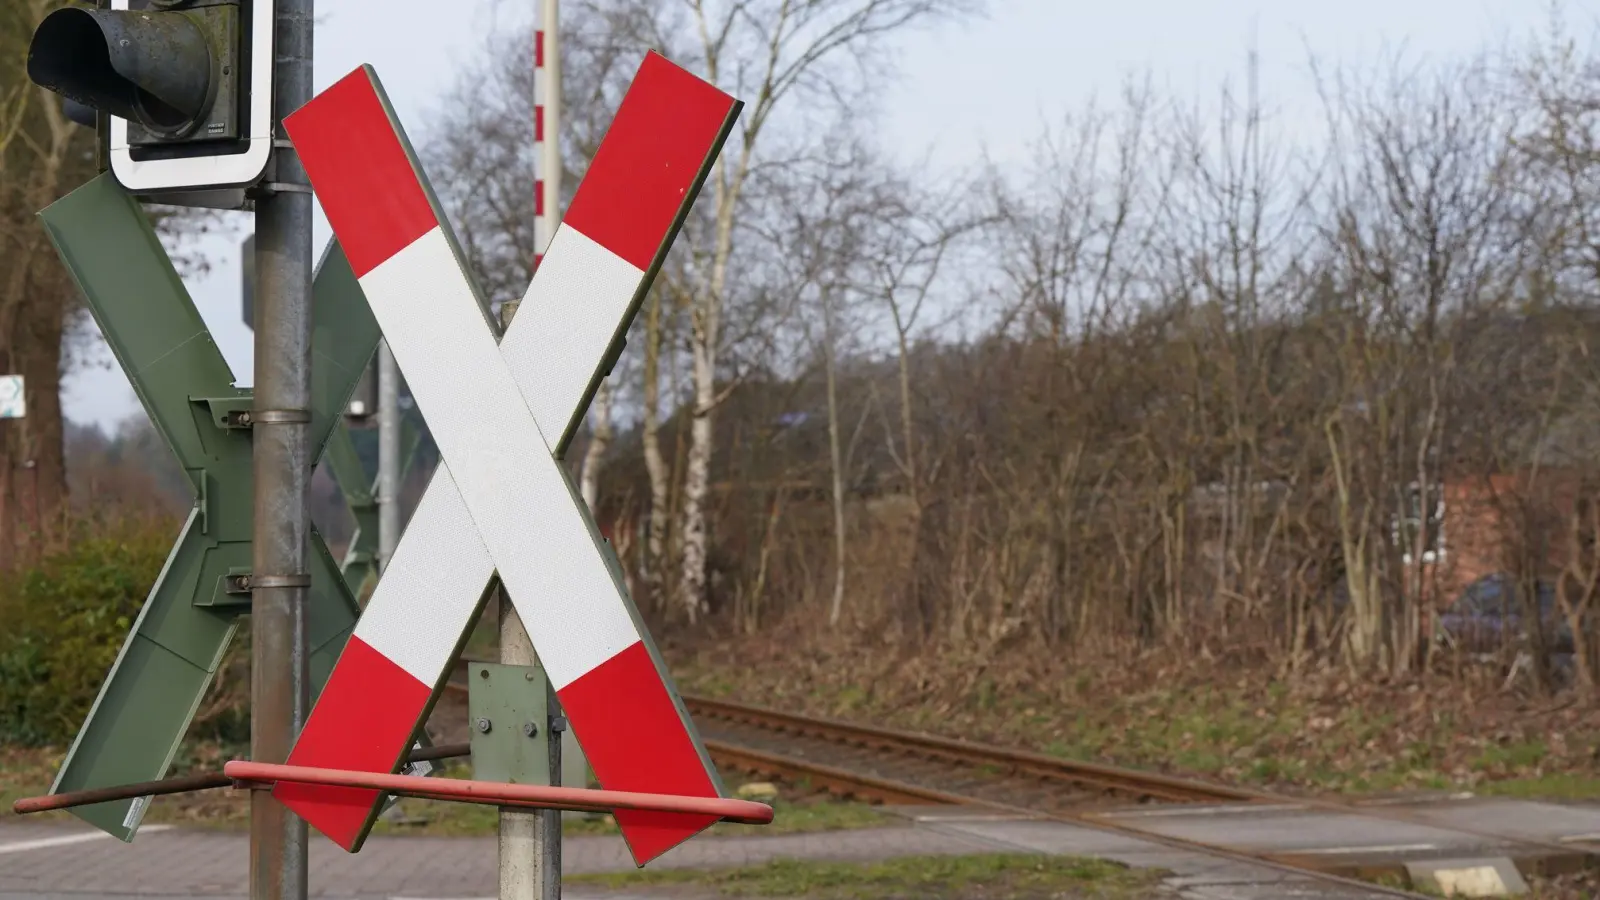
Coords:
167,663
360,565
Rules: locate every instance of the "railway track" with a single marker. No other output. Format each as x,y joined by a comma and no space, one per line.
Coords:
894,767
897,766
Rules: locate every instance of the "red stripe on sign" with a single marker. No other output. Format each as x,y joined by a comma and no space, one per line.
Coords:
538,196
538,124
666,126
363,721
360,171
538,49
636,740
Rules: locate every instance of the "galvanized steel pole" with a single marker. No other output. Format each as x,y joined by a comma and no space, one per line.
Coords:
279,684
547,79
530,840
388,455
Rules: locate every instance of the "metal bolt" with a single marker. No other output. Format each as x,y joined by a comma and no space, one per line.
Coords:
558,724
530,729
484,724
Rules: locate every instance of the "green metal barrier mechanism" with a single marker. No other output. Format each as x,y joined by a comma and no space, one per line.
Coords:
183,630
360,494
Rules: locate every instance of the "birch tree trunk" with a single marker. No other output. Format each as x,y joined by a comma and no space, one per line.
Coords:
655,464
768,49
697,475
835,459
589,483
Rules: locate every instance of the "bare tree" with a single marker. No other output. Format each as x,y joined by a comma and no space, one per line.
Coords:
767,52
1421,226
831,208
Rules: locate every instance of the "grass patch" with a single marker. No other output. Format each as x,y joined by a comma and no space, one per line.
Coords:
27,773
979,877
1238,720
472,820
1557,785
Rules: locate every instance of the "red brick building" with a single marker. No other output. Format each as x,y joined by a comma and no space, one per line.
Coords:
1487,525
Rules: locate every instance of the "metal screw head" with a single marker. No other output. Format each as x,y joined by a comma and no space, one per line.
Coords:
484,724
558,724
530,729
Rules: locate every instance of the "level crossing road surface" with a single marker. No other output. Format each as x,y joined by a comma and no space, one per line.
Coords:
69,861
63,860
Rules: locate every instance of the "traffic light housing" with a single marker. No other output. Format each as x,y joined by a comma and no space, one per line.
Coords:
186,84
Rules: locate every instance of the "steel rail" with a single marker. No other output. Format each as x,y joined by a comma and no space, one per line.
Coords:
872,786
1024,762
1113,778
842,782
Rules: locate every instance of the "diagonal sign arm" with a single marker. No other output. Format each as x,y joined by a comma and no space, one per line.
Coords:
501,497
360,491
171,654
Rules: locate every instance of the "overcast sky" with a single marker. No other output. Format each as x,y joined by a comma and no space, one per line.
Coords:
986,86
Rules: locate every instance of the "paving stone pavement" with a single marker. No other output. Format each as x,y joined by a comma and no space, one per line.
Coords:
39,860
203,864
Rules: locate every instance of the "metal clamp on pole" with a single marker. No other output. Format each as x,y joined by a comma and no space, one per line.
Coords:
278,417
270,184
264,582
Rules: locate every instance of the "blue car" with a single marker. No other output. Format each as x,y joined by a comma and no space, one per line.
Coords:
1488,615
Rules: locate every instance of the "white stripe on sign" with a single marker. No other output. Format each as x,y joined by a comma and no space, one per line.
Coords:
581,297
66,840
498,458
441,557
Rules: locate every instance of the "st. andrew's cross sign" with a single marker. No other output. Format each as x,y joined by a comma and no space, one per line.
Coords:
501,416
183,630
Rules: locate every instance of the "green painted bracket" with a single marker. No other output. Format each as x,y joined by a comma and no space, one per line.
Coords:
360,495
509,710
167,663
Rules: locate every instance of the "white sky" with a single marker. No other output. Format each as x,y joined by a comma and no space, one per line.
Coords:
989,85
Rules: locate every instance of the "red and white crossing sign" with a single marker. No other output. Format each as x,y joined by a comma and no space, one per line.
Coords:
500,501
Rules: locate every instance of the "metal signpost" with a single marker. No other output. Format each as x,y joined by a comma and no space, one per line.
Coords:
393,458
360,566
196,102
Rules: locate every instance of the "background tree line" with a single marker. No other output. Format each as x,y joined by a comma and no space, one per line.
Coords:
1202,372
45,330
